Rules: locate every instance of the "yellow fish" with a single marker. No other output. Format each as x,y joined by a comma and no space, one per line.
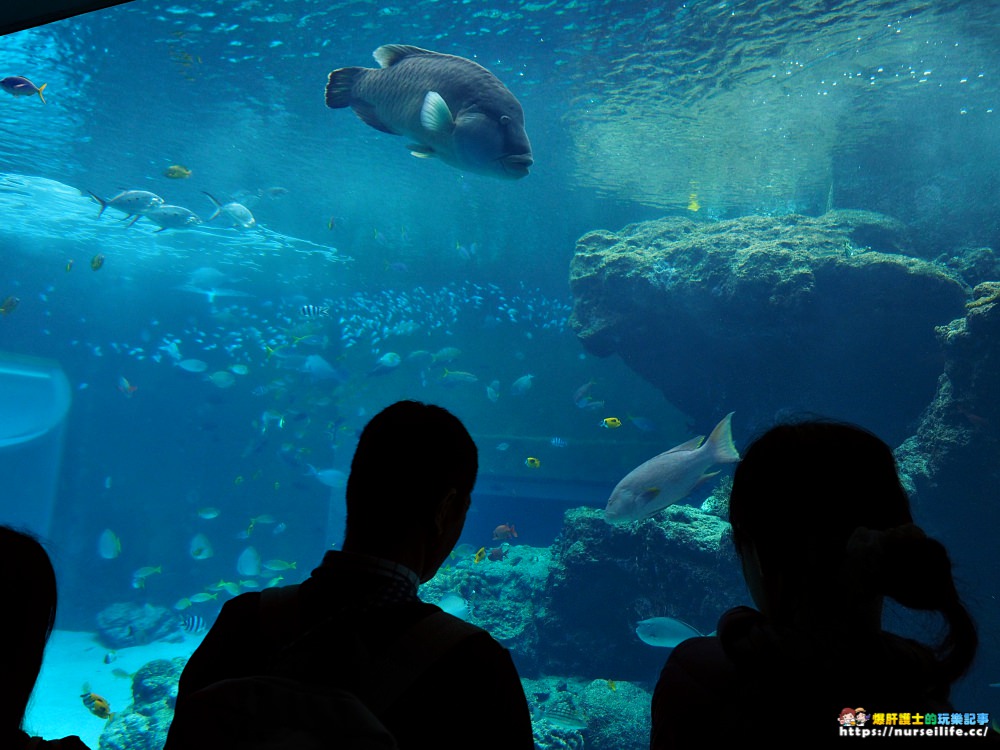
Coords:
9,305
612,686
693,204
97,262
177,172
479,556
97,705
611,423
532,463
69,265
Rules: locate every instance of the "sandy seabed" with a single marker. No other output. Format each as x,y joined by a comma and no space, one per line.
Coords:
74,658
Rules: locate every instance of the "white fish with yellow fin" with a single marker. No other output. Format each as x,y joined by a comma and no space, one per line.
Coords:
671,476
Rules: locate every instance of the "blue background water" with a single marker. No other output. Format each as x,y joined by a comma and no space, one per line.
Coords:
633,112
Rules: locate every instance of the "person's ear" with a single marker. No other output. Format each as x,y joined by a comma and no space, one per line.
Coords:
446,510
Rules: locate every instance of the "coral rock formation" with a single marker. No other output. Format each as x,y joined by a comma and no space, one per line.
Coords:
763,315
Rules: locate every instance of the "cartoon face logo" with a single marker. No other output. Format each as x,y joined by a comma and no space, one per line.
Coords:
847,717
860,717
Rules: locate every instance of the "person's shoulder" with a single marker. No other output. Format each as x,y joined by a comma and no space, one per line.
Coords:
242,603
698,659
699,649
71,742
463,632
464,646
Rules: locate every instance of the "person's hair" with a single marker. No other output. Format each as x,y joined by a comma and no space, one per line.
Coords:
409,456
27,621
822,502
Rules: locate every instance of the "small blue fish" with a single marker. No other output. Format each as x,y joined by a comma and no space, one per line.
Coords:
21,86
558,442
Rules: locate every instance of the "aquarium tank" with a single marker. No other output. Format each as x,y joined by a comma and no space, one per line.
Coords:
219,264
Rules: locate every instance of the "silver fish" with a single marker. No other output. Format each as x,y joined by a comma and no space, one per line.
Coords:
172,217
238,214
452,108
671,476
132,203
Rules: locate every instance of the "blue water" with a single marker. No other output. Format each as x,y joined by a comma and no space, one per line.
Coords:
708,110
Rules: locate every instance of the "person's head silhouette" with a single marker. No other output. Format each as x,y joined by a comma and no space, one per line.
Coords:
410,486
26,624
823,527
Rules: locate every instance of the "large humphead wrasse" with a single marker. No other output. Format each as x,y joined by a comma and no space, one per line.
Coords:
452,108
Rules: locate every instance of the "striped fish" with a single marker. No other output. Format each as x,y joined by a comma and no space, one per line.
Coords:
314,311
194,624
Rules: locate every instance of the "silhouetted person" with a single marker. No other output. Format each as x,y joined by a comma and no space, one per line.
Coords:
407,496
823,528
25,626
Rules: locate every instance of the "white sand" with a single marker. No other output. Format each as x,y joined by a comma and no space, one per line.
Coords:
73,658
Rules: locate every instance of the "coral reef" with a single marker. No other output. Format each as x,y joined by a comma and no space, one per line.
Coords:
763,315
144,724
600,714
606,578
505,596
129,624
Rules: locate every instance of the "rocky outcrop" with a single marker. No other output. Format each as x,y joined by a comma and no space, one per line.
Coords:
950,465
765,315
606,578
130,624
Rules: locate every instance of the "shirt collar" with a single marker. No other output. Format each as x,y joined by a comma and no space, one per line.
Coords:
372,565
